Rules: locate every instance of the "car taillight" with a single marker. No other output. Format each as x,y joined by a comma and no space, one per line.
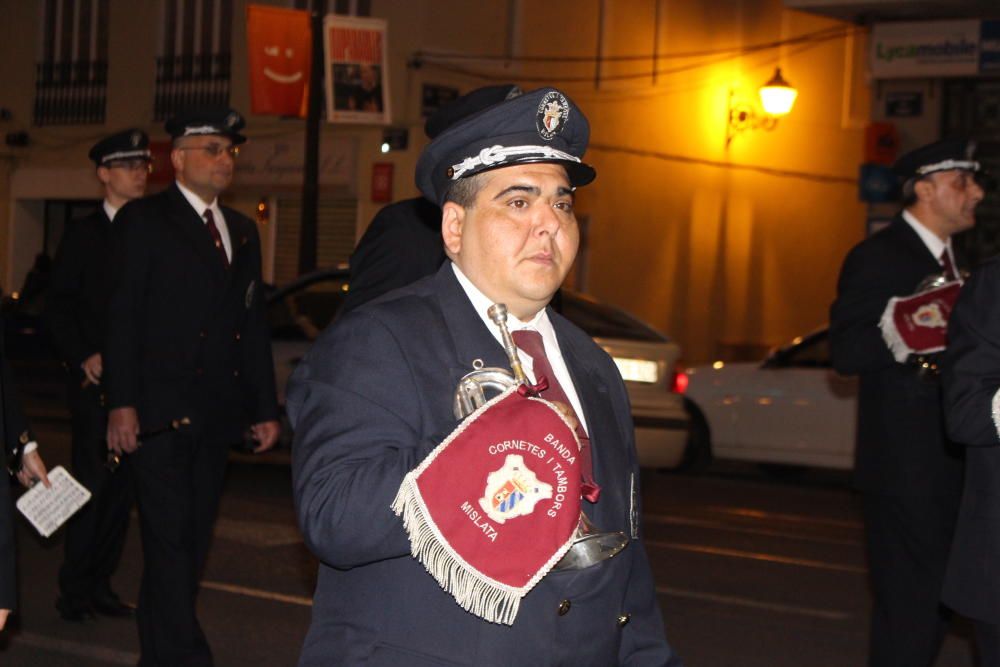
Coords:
680,383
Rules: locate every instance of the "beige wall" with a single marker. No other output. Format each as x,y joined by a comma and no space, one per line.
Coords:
723,249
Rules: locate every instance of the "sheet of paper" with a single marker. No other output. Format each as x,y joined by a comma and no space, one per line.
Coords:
47,509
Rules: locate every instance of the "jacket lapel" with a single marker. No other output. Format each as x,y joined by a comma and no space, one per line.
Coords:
192,227
470,338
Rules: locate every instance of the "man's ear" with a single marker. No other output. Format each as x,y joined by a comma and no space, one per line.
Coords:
452,226
177,159
103,175
923,189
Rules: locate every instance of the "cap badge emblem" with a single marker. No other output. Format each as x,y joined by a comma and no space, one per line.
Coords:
232,119
135,139
552,113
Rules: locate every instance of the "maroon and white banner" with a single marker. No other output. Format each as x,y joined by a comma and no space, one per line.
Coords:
495,506
918,324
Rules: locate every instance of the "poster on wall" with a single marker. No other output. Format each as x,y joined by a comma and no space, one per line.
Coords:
357,77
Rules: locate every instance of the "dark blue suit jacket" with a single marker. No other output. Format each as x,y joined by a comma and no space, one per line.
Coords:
372,398
185,336
971,381
901,445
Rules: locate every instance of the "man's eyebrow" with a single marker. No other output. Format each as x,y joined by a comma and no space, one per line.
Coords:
530,189
564,191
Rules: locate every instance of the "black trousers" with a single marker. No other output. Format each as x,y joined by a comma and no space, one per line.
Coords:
95,536
178,482
908,540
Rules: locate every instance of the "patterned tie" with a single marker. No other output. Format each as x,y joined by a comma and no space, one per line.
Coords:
530,342
216,236
949,268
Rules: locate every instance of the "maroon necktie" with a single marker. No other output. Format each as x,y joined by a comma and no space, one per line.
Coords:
530,342
216,236
949,268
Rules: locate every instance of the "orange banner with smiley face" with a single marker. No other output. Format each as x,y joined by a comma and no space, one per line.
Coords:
280,49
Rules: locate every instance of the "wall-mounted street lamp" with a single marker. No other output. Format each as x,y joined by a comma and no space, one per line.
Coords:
777,97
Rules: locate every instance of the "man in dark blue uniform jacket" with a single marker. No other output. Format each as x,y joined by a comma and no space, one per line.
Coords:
76,311
972,412
909,473
186,338
374,397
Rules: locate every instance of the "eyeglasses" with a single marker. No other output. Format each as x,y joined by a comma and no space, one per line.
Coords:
213,150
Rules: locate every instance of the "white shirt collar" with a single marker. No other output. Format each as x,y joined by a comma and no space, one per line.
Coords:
930,239
540,323
110,210
197,203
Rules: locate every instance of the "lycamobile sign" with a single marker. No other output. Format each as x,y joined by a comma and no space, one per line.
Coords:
928,51
941,48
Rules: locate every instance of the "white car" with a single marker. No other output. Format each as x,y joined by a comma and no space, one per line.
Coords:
646,358
791,409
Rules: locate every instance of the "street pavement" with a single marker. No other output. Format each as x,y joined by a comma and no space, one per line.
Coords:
750,570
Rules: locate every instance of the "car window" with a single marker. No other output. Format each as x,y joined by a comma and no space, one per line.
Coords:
812,352
301,314
604,321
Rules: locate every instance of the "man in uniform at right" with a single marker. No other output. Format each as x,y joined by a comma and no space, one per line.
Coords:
909,474
76,311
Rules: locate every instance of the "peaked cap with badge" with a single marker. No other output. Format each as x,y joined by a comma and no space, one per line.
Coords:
131,144
197,122
540,126
944,155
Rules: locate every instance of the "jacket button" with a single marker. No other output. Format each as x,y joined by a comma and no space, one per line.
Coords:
624,619
237,335
564,607
203,333
236,374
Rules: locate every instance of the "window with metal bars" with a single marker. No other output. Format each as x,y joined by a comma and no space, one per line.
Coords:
71,80
194,66
346,7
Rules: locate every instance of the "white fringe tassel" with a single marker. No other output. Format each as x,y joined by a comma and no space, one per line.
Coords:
484,597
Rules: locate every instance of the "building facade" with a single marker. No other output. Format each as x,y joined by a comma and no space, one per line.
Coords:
725,234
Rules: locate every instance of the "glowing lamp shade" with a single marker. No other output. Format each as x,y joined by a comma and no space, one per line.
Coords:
777,96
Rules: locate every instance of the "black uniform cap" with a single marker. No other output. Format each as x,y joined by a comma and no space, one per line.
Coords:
541,126
130,144
196,122
471,103
942,155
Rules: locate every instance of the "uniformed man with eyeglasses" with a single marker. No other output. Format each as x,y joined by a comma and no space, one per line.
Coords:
76,311
187,341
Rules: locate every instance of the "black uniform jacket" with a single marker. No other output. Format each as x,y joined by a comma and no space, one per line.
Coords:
971,382
76,308
187,337
14,427
901,444
370,401
401,245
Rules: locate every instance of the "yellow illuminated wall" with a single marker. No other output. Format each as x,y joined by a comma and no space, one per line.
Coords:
728,250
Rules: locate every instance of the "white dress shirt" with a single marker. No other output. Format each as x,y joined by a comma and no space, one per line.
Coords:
930,239
199,205
540,323
110,210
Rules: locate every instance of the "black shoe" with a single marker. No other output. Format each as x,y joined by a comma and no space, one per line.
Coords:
73,610
109,604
